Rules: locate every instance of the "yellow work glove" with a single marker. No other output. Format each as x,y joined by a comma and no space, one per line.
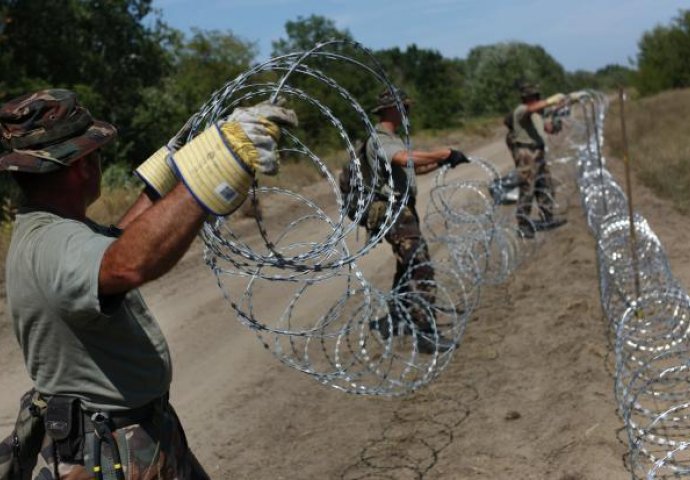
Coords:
218,165
556,99
156,171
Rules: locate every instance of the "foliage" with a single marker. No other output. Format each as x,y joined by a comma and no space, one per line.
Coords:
608,78
494,72
305,33
664,56
104,50
434,83
201,65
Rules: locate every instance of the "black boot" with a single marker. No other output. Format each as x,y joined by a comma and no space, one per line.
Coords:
428,343
549,223
526,230
384,325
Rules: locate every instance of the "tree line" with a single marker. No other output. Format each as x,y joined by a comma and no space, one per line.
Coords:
131,68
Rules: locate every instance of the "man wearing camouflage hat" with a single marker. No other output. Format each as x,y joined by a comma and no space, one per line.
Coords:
98,359
414,275
528,149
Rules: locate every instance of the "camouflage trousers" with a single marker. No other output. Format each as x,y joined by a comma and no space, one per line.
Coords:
152,450
414,275
535,181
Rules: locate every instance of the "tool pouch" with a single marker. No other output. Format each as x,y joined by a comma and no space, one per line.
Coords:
376,216
19,452
64,423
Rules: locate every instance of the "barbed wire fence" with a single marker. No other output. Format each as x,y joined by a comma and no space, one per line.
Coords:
472,243
313,245
647,309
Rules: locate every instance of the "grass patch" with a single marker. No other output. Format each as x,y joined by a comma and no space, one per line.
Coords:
659,143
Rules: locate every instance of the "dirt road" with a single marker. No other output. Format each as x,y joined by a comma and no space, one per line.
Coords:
529,394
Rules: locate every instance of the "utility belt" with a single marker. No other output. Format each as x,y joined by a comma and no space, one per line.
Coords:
68,424
529,146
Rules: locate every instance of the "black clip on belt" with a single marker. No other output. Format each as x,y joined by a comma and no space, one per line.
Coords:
102,433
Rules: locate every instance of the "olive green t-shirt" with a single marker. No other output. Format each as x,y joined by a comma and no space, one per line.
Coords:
390,145
110,352
528,127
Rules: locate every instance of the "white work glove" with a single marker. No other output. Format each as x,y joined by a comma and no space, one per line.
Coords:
254,132
218,165
556,99
577,96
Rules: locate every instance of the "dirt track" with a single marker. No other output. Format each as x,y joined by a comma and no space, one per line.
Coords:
529,395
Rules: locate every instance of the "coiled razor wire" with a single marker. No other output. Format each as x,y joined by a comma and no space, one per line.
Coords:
303,258
647,308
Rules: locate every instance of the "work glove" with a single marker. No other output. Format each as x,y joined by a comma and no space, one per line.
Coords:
455,158
577,96
556,99
218,166
156,171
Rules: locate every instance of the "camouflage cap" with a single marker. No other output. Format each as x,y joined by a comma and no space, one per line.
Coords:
387,99
529,90
46,130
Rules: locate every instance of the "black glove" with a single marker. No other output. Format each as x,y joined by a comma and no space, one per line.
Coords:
455,158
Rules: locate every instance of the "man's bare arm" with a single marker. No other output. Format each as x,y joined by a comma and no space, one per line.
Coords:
420,157
143,202
152,243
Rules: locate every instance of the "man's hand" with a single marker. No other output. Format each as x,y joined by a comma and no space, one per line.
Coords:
455,158
218,165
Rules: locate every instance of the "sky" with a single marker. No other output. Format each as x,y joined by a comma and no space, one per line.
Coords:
580,34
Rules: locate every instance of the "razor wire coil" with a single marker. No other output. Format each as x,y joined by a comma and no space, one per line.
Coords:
647,309
361,338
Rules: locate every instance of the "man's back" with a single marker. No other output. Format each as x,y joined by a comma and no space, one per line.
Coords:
110,353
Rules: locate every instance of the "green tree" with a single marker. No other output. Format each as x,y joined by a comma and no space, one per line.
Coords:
201,65
434,82
493,73
304,33
663,60
108,51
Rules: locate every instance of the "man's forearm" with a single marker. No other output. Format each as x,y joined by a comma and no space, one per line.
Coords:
152,243
420,157
143,202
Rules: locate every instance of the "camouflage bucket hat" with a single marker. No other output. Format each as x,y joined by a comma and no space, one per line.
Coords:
386,99
46,130
529,90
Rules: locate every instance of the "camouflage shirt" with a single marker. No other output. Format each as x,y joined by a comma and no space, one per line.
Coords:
108,351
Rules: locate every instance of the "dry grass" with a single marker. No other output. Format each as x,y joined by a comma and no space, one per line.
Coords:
659,143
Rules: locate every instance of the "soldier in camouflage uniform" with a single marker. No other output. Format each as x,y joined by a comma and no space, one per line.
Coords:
414,276
98,360
528,140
